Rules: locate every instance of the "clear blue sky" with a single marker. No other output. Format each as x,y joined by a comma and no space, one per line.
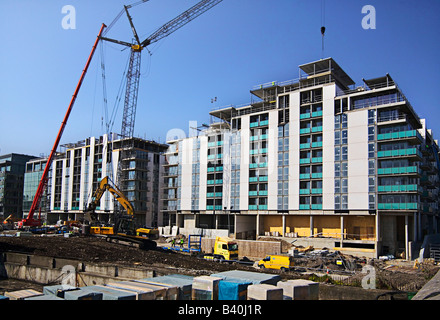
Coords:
223,54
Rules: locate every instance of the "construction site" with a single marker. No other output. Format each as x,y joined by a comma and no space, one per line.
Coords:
35,262
123,218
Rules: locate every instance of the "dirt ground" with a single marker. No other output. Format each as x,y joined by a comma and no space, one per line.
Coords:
95,249
390,275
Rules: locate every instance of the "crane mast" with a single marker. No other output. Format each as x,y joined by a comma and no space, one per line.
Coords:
133,73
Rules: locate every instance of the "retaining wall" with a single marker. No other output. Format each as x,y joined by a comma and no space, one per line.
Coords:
49,270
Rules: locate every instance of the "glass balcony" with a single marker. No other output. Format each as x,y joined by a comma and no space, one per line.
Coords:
316,114
317,175
253,207
253,193
317,160
399,135
304,161
304,207
398,170
317,129
399,153
304,176
397,206
304,130
304,116
316,206
399,188
317,144
304,191
317,191
304,146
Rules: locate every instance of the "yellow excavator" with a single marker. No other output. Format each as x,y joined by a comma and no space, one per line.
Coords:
123,230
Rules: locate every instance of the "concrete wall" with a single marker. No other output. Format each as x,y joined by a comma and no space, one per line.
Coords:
47,270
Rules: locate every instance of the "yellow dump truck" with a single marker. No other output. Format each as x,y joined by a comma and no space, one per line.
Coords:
224,249
278,262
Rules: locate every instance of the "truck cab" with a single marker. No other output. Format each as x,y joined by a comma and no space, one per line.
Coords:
278,262
226,247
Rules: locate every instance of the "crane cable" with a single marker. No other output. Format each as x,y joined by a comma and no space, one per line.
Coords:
322,24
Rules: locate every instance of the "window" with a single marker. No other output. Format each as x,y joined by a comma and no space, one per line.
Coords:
337,153
371,131
371,148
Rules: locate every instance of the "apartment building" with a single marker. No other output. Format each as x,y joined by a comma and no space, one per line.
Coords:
319,159
133,164
12,168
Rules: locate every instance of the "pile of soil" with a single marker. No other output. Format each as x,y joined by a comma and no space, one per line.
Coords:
96,249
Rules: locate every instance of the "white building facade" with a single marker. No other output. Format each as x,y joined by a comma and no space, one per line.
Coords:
317,159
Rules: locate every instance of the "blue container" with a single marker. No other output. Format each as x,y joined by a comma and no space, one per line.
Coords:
3,298
233,290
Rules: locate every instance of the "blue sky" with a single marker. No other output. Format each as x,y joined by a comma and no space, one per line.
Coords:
223,53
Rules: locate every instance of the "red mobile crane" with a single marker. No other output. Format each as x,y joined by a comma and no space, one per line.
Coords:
29,221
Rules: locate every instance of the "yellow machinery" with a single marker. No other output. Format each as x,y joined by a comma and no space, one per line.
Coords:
123,229
224,249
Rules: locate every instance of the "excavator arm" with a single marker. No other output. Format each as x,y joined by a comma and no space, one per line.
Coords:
107,185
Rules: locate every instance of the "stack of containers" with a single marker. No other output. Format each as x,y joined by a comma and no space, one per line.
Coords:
205,288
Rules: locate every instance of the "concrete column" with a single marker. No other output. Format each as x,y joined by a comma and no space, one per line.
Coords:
377,227
342,231
407,253
416,235
257,225
284,224
311,226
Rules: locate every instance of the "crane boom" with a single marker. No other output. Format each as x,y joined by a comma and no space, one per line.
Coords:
30,221
180,21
